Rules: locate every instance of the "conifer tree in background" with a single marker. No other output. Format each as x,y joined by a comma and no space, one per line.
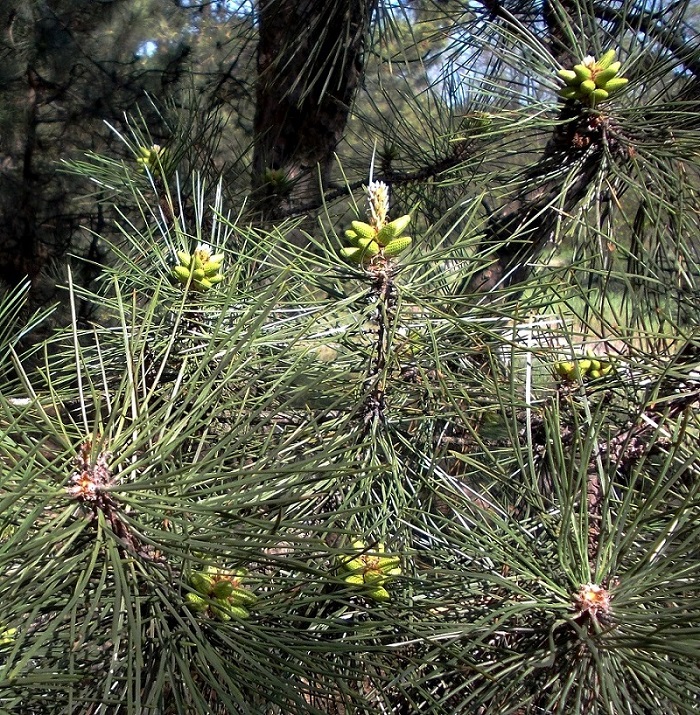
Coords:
420,435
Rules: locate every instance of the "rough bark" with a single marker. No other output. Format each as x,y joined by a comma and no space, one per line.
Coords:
309,68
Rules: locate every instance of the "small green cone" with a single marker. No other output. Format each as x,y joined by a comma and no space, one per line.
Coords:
222,589
364,230
565,369
379,594
242,597
239,611
616,83
201,582
398,245
203,284
7,635
352,254
582,72
351,236
569,92
181,274
583,366
606,75
393,229
222,612
196,603
225,611
569,76
355,579
606,59
369,246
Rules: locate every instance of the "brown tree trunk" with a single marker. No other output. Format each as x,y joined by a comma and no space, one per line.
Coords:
309,67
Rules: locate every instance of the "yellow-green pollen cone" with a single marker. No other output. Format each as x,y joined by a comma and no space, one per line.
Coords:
151,158
7,635
588,367
220,593
369,570
592,81
200,270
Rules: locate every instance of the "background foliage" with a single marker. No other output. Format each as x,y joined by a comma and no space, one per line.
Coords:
509,408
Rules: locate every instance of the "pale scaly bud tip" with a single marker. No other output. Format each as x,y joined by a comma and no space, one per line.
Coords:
378,200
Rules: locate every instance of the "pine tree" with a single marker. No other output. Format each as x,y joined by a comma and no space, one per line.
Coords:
441,456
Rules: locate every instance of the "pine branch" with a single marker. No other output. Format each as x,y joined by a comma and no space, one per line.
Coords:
674,38
578,149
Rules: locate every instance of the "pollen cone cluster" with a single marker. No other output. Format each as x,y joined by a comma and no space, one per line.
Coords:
378,237
200,270
219,592
366,241
590,367
592,81
151,157
370,570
